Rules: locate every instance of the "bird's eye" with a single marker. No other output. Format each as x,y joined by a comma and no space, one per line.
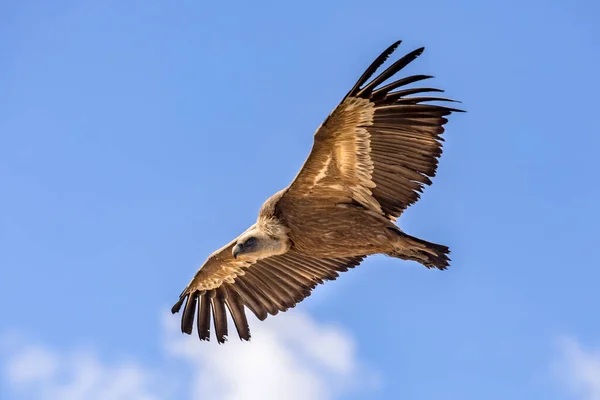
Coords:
250,242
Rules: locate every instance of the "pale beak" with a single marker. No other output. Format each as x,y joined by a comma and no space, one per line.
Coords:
237,249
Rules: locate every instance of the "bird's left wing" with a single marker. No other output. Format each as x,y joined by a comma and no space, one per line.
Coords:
267,286
379,146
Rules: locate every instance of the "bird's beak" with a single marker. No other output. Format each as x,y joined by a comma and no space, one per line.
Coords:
237,249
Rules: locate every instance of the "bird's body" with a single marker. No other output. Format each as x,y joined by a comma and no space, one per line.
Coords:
370,159
317,228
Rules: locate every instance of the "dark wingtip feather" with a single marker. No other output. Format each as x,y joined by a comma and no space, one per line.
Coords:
203,322
219,315
177,306
175,309
394,68
373,67
383,91
189,311
235,305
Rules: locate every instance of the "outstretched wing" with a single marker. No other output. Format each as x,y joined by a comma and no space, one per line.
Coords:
265,287
380,145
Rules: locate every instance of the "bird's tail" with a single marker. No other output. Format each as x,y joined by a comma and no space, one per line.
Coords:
429,254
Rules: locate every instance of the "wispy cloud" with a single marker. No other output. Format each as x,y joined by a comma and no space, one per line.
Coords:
40,372
291,356
580,368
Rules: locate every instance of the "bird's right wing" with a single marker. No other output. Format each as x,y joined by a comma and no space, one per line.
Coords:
379,146
267,286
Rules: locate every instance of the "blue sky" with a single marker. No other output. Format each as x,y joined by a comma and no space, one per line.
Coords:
124,129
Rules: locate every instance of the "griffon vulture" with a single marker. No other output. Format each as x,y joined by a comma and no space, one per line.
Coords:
370,160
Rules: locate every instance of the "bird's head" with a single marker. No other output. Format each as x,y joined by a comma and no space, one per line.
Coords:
255,244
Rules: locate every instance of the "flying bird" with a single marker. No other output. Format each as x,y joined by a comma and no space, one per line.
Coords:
370,160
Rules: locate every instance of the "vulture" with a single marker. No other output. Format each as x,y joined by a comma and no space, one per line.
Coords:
370,160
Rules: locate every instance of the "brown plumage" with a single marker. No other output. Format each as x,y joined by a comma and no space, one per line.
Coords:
370,160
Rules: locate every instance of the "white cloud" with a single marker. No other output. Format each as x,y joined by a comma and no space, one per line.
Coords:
36,371
580,368
290,356
34,363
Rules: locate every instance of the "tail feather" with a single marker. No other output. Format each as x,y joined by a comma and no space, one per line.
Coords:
431,255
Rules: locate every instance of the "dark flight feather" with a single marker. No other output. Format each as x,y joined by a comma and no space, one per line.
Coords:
187,321
385,75
235,304
217,300
372,68
203,323
381,92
